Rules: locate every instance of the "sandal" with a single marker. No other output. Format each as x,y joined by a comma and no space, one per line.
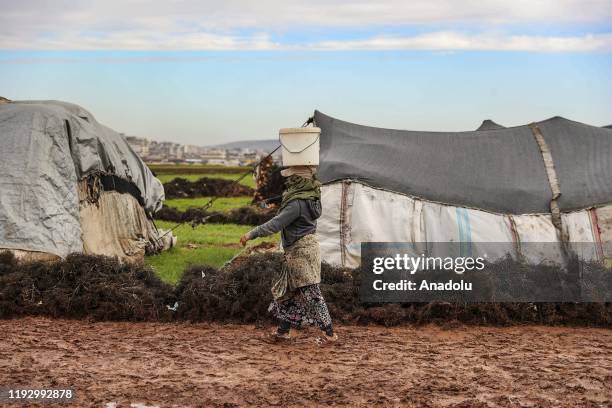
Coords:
325,339
276,337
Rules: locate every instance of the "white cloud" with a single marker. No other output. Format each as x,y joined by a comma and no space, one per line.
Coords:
260,25
290,14
141,40
450,41
435,41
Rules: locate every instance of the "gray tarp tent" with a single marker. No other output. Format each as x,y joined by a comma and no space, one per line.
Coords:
46,149
498,170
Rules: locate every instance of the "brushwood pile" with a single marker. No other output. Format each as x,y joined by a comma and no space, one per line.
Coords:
247,215
82,286
100,288
205,187
269,182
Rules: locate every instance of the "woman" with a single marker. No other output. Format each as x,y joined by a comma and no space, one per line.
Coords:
297,297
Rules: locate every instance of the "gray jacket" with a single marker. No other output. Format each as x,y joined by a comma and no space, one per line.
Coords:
297,219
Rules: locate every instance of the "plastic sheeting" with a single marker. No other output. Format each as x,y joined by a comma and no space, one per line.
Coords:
354,213
534,229
603,219
363,203
93,146
499,171
46,148
39,203
328,226
580,231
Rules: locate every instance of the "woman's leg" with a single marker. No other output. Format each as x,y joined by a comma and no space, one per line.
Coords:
287,313
283,327
305,306
319,309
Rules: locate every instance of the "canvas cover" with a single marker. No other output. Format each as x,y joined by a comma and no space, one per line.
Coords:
498,170
116,226
355,213
46,148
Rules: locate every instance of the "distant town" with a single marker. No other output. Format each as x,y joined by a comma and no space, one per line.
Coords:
231,154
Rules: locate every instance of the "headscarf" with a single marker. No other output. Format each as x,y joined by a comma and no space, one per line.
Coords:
298,187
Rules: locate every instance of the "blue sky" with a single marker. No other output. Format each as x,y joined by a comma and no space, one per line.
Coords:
202,73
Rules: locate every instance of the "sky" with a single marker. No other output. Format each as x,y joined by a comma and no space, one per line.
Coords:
206,72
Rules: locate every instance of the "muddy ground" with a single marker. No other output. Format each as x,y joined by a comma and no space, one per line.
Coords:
182,364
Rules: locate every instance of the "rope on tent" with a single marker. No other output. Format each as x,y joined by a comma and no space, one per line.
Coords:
553,181
310,120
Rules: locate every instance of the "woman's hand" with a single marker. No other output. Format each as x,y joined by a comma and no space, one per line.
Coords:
244,239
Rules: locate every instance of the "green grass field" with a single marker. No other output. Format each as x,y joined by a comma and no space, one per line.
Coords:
221,204
247,181
208,244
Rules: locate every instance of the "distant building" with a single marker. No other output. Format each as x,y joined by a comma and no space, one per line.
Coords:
214,155
170,152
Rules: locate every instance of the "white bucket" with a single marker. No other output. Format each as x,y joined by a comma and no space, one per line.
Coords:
300,146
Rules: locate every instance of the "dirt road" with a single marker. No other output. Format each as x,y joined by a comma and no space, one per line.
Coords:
119,364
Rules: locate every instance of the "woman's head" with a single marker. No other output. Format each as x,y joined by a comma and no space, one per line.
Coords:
300,183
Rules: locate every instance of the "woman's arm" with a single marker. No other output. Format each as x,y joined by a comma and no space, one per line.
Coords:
285,217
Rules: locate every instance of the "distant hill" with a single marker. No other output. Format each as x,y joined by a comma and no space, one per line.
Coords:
265,145
608,127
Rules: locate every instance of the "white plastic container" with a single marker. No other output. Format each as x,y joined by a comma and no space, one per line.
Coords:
300,146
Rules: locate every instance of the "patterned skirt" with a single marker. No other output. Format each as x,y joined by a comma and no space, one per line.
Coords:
304,306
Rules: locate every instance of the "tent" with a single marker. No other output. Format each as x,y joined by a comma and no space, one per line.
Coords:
70,184
548,182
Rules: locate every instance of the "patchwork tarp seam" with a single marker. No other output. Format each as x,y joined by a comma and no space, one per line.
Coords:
551,173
